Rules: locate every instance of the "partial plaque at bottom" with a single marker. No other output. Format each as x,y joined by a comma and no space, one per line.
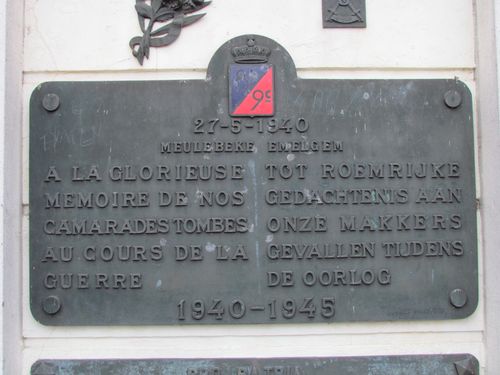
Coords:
457,364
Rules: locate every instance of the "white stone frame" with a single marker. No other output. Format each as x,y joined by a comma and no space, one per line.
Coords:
487,55
11,63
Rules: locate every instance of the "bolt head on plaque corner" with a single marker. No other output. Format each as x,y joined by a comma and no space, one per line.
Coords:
458,298
51,102
51,305
344,14
452,99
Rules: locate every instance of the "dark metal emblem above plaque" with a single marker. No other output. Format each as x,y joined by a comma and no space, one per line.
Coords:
161,22
344,14
252,196
453,364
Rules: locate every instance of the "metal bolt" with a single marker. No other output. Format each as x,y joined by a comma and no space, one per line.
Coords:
51,305
452,99
51,102
458,298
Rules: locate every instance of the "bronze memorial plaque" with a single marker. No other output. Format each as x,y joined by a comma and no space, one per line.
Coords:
451,364
252,196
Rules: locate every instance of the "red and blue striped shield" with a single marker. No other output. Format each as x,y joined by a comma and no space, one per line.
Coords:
251,90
